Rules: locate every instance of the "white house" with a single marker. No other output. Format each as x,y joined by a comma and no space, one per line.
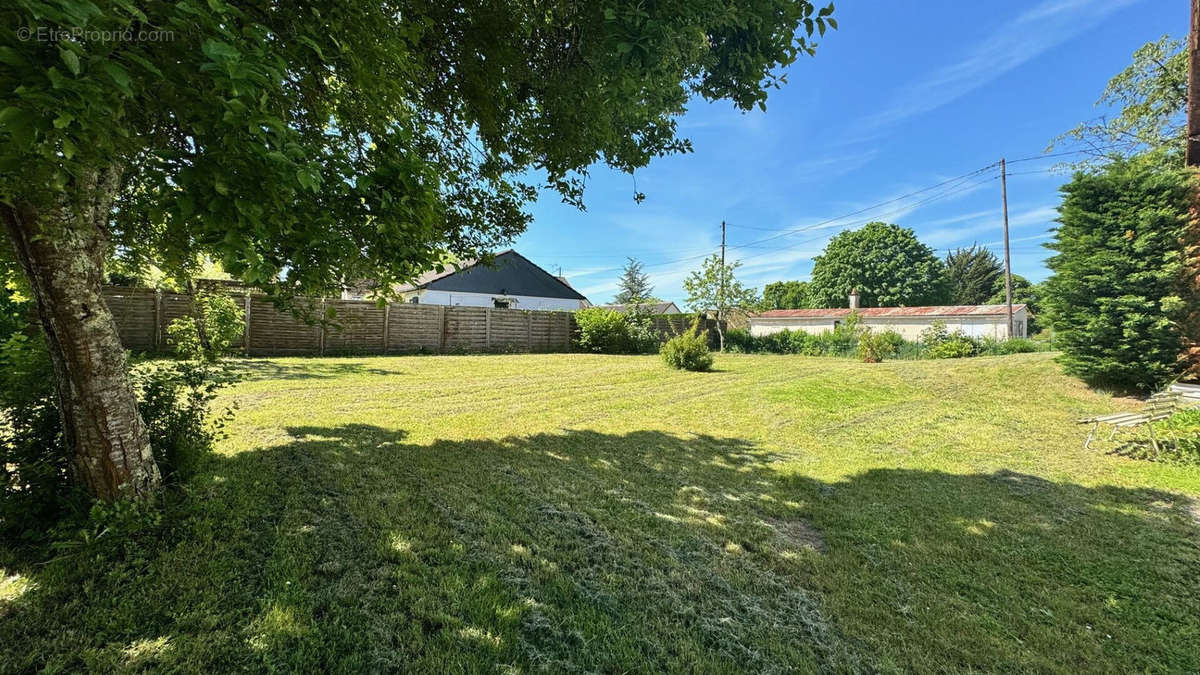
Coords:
510,281
974,320
667,307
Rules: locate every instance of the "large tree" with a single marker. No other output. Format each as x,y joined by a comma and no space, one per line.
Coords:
972,273
1148,100
785,295
1115,297
715,286
300,145
885,263
1024,292
634,285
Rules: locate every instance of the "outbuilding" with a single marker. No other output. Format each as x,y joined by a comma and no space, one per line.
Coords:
973,320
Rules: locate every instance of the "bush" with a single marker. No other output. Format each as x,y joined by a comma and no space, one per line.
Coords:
216,326
875,347
605,331
688,351
740,341
956,346
936,333
1114,298
174,399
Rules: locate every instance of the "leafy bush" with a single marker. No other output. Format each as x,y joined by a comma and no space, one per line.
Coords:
688,351
605,331
740,341
1114,297
216,326
174,399
994,347
33,456
875,347
936,333
956,346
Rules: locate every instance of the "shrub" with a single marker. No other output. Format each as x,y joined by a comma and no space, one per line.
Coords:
956,346
1114,298
174,399
740,341
875,347
216,326
33,456
1019,346
936,333
688,351
605,331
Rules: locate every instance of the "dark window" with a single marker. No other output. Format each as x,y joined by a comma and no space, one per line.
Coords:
502,303
414,300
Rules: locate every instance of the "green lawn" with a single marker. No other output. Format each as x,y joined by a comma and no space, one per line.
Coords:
604,514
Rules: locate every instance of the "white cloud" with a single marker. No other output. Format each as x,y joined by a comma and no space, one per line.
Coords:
1011,45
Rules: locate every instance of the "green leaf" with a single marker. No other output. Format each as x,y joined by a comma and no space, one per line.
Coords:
71,59
219,51
120,76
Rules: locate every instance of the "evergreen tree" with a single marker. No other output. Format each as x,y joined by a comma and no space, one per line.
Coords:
1115,296
972,273
634,286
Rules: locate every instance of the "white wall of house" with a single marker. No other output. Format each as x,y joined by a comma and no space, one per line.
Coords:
909,327
451,298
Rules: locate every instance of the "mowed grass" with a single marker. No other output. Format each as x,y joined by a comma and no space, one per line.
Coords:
579,513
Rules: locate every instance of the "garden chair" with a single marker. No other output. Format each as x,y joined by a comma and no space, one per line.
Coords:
1158,407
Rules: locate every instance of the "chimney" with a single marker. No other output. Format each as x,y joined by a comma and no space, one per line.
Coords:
854,298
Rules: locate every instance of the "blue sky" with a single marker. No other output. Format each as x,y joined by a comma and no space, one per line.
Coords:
904,96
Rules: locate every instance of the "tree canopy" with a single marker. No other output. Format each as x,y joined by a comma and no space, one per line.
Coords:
786,295
304,146
972,273
307,146
886,263
1149,98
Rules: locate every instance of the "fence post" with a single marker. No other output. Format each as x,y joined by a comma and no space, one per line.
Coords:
529,330
567,317
441,328
487,328
246,326
321,327
157,319
387,324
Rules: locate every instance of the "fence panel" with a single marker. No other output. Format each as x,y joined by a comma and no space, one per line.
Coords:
362,327
274,332
134,311
356,327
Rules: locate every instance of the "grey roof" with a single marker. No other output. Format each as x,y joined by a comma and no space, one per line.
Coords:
509,274
651,307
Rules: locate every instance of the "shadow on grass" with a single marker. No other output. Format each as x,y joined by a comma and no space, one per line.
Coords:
349,549
326,368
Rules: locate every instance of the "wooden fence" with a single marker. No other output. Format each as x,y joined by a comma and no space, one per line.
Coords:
357,326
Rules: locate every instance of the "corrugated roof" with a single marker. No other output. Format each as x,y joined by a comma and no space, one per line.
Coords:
512,274
934,311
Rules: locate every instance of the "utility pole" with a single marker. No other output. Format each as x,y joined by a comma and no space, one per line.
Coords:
721,288
1191,158
1192,154
1007,257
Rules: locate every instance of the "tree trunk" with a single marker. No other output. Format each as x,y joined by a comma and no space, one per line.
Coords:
61,250
1191,243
